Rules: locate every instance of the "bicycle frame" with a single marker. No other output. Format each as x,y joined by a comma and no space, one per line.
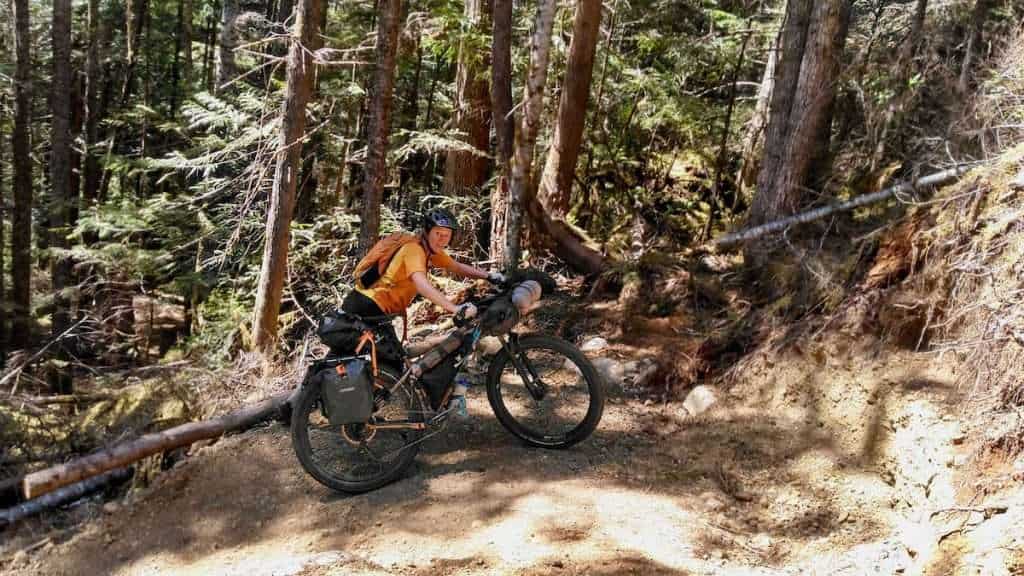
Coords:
413,391
416,367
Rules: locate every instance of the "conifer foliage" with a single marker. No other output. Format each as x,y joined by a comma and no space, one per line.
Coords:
226,161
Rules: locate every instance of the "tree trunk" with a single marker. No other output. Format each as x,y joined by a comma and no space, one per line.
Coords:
410,170
176,62
465,171
560,169
357,170
379,122
135,16
599,113
141,182
4,313
106,101
226,68
60,179
978,17
567,243
307,195
208,48
21,222
186,44
50,479
504,127
548,209
284,10
91,179
792,41
301,73
753,139
723,145
412,109
77,115
521,182
800,117
439,63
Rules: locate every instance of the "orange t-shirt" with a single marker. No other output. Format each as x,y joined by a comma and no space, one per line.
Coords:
395,290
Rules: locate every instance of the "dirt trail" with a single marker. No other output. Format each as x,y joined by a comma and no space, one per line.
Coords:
813,462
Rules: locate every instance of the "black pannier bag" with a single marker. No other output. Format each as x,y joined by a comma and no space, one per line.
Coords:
347,391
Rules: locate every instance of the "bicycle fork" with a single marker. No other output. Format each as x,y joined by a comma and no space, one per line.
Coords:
537,388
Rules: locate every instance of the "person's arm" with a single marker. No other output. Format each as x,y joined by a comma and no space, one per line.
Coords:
448,263
427,290
468,271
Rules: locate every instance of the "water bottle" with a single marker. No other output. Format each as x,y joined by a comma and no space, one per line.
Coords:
458,402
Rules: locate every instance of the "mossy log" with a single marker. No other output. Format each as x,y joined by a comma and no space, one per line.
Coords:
47,480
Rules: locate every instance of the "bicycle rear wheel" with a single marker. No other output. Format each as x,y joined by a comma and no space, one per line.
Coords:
357,458
545,391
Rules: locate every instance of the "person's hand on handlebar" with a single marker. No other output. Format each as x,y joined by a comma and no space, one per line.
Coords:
496,278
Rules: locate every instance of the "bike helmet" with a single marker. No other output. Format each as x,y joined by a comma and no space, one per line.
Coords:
439,217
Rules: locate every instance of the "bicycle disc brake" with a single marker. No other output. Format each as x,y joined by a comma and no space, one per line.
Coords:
357,434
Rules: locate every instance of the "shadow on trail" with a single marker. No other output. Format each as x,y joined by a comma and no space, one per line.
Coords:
251,490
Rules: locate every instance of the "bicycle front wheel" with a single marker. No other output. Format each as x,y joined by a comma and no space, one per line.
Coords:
545,391
357,458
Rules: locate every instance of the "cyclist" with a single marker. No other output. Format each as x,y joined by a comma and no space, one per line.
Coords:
406,274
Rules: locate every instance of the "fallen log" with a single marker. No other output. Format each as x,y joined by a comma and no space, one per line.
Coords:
50,479
80,398
284,410
10,490
64,495
937,179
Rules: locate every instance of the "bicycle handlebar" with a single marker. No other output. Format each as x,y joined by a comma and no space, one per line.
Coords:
523,297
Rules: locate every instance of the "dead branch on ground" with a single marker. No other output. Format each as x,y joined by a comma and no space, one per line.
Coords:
937,179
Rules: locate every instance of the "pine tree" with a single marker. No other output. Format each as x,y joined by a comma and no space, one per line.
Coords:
63,196
301,75
21,226
800,120
379,126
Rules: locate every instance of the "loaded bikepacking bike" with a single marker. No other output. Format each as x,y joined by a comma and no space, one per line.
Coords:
359,421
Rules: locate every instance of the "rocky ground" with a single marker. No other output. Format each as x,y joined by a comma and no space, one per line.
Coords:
824,458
